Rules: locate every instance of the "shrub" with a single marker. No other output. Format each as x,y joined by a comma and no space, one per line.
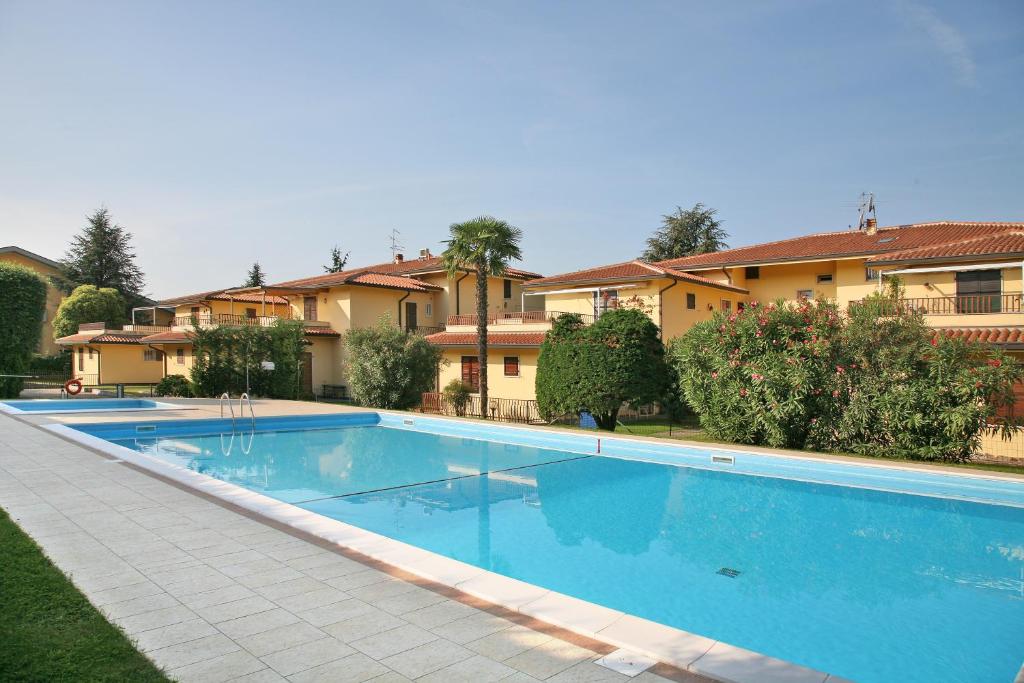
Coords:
457,393
87,304
619,359
389,368
56,364
224,354
175,386
21,314
875,381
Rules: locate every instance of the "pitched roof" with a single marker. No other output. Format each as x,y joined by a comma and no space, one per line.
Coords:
219,295
320,332
495,339
1001,336
106,338
629,270
390,281
167,338
429,264
1009,243
844,244
30,255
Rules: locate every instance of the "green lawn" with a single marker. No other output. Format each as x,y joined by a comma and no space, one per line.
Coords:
48,630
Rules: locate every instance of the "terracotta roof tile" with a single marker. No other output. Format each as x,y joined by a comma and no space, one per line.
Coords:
219,295
405,268
847,243
496,339
1010,242
629,270
1013,336
391,282
107,338
321,332
168,338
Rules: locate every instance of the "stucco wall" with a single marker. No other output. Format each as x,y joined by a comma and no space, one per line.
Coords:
498,385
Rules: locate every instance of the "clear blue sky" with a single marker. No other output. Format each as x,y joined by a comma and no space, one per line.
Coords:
224,132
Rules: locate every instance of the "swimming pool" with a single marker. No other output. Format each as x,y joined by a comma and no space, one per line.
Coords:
870,573
82,405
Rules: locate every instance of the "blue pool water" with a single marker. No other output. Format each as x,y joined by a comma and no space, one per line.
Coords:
866,584
81,405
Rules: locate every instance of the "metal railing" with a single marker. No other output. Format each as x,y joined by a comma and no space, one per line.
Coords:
515,318
974,304
227,319
500,409
424,329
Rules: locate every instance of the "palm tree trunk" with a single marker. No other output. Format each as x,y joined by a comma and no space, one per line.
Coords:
481,332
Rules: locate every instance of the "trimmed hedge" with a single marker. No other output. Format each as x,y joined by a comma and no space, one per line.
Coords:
21,315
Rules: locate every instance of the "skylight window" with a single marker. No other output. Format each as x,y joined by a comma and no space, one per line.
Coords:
886,239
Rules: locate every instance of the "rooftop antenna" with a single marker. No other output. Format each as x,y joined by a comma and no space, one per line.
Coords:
396,244
868,221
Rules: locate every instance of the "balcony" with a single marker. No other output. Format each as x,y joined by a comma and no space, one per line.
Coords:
974,304
516,318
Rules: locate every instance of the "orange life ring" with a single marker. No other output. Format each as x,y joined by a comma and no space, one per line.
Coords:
73,387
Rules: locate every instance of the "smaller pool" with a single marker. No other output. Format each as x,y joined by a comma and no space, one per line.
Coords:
83,405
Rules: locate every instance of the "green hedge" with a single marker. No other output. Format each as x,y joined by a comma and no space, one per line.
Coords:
222,355
21,315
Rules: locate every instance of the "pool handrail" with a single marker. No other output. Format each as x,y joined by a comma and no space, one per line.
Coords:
248,401
227,397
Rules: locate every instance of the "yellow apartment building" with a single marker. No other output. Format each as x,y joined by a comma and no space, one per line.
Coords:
47,268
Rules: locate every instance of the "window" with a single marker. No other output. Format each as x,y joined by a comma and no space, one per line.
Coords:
250,313
152,354
309,308
825,278
90,353
870,274
471,372
979,291
802,294
180,356
195,310
691,300
726,305
511,366
605,300
81,358
507,285
753,272
428,310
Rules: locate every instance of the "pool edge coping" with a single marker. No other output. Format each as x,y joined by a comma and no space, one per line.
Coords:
675,647
7,409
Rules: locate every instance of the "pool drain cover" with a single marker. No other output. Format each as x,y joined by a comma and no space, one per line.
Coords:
726,571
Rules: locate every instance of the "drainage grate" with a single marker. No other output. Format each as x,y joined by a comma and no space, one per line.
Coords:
727,571
407,421
145,428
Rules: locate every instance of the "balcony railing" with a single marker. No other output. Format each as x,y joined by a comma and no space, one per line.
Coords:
501,409
515,318
974,304
209,319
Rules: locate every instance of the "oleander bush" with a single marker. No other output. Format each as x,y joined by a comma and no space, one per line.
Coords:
873,381
389,368
223,354
176,386
22,304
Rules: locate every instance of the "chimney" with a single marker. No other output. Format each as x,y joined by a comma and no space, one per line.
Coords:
399,258
871,226
425,253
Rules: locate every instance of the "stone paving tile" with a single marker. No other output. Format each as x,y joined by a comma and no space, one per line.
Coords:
333,613
283,589
409,601
355,668
112,595
267,675
217,596
369,623
320,597
222,668
472,627
427,658
356,579
227,611
508,643
475,669
140,605
165,636
438,614
307,655
257,623
281,638
193,651
155,619
588,672
269,577
392,642
549,658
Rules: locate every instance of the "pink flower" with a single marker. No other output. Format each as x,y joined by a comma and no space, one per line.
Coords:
743,392
756,377
839,369
714,375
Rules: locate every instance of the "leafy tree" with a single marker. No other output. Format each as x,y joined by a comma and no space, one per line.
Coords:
255,277
338,261
21,316
685,233
88,304
484,245
227,357
102,255
389,368
619,359
874,381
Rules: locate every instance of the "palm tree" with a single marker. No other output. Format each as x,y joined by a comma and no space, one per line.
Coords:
485,245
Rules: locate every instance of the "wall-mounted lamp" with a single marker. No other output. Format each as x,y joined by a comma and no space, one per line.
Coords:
928,286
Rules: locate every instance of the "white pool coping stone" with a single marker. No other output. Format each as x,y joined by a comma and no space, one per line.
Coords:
8,409
679,648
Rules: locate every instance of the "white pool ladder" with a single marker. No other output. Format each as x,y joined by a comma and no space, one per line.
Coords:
244,399
226,397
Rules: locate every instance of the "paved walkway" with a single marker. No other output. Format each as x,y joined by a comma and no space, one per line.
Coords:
210,594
